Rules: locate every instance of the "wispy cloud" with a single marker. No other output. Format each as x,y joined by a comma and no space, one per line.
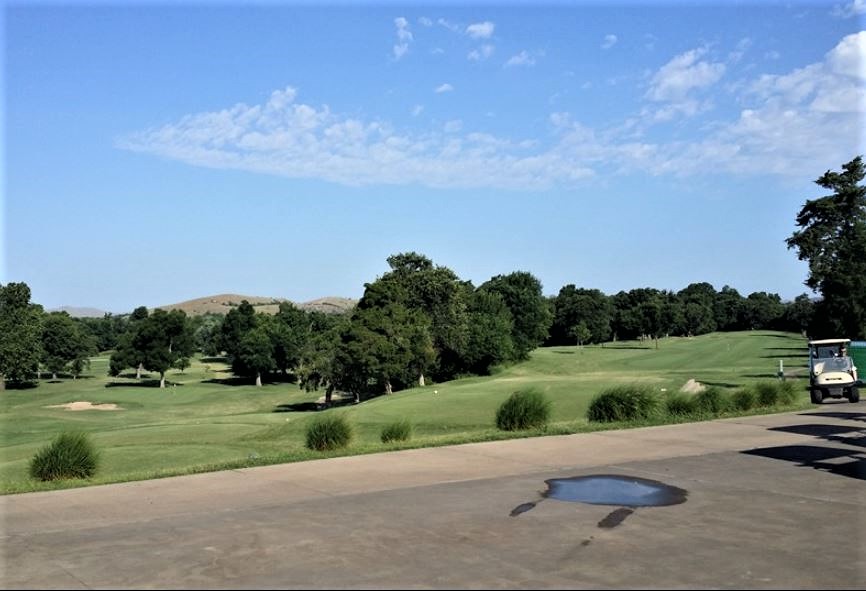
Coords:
417,110
481,30
521,59
854,8
804,120
424,21
481,54
609,41
404,37
443,88
683,74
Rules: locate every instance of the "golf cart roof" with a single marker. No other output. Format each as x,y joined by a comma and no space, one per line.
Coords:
830,342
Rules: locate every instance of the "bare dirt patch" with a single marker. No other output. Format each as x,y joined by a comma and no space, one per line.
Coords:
85,405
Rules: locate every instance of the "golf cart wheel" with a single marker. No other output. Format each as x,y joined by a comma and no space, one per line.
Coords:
817,395
854,394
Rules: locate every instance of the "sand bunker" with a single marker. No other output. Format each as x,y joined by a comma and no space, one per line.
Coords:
693,387
84,405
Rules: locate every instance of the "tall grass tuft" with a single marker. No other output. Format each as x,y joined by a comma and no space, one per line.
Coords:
70,455
680,405
525,409
623,403
744,399
329,432
787,393
397,431
767,393
711,401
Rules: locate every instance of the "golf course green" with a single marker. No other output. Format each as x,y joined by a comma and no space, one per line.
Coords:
206,420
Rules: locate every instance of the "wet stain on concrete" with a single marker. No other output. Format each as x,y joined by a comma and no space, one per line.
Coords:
607,489
615,517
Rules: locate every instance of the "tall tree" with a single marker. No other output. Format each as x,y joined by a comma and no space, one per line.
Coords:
163,338
62,343
832,238
20,334
521,292
254,355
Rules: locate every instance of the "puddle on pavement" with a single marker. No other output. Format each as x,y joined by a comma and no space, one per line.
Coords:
623,491
627,492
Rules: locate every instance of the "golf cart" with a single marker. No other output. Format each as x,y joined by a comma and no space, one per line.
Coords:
831,371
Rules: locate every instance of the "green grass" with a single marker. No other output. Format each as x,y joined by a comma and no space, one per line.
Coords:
200,425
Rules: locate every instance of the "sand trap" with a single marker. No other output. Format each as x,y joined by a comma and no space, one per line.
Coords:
693,387
84,405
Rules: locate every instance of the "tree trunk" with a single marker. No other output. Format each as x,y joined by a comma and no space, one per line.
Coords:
2,382
162,380
388,389
53,376
259,379
138,371
328,393
357,397
421,381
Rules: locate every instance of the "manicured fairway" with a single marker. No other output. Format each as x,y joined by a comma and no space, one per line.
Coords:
201,422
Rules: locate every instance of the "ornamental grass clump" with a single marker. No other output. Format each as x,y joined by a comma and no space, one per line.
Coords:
680,405
623,403
329,432
397,431
744,399
711,401
70,455
524,409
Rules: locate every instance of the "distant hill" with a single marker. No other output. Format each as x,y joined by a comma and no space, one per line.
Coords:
80,312
221,304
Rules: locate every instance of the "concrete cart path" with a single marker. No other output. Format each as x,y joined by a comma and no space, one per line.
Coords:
773,501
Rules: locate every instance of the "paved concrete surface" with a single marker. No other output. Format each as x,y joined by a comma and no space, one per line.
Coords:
773,502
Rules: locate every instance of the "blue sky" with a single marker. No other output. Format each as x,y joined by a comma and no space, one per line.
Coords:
155,153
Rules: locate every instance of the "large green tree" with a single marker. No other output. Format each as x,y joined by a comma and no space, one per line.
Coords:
65,344
161,340
20,334
521,292
832,239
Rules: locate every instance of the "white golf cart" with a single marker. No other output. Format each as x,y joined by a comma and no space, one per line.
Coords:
831,371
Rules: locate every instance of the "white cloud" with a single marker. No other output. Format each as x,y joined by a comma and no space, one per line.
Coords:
443,88
808,119
683,74
424,21
856,7
453,126
453,27
481,30
481,54
742,46
417,109
609,41
404,37
521,59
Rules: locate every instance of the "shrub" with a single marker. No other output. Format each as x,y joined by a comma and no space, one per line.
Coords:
767,393
329,432
623,403
743,399
680,405
70,455
397,431
711,401
787,393
525,409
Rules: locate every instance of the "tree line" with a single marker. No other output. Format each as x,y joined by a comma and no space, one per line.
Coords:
420,321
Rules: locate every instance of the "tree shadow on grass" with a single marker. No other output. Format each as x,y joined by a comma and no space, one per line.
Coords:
786,356
20,385
233,381
142,384
299,407
625,347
